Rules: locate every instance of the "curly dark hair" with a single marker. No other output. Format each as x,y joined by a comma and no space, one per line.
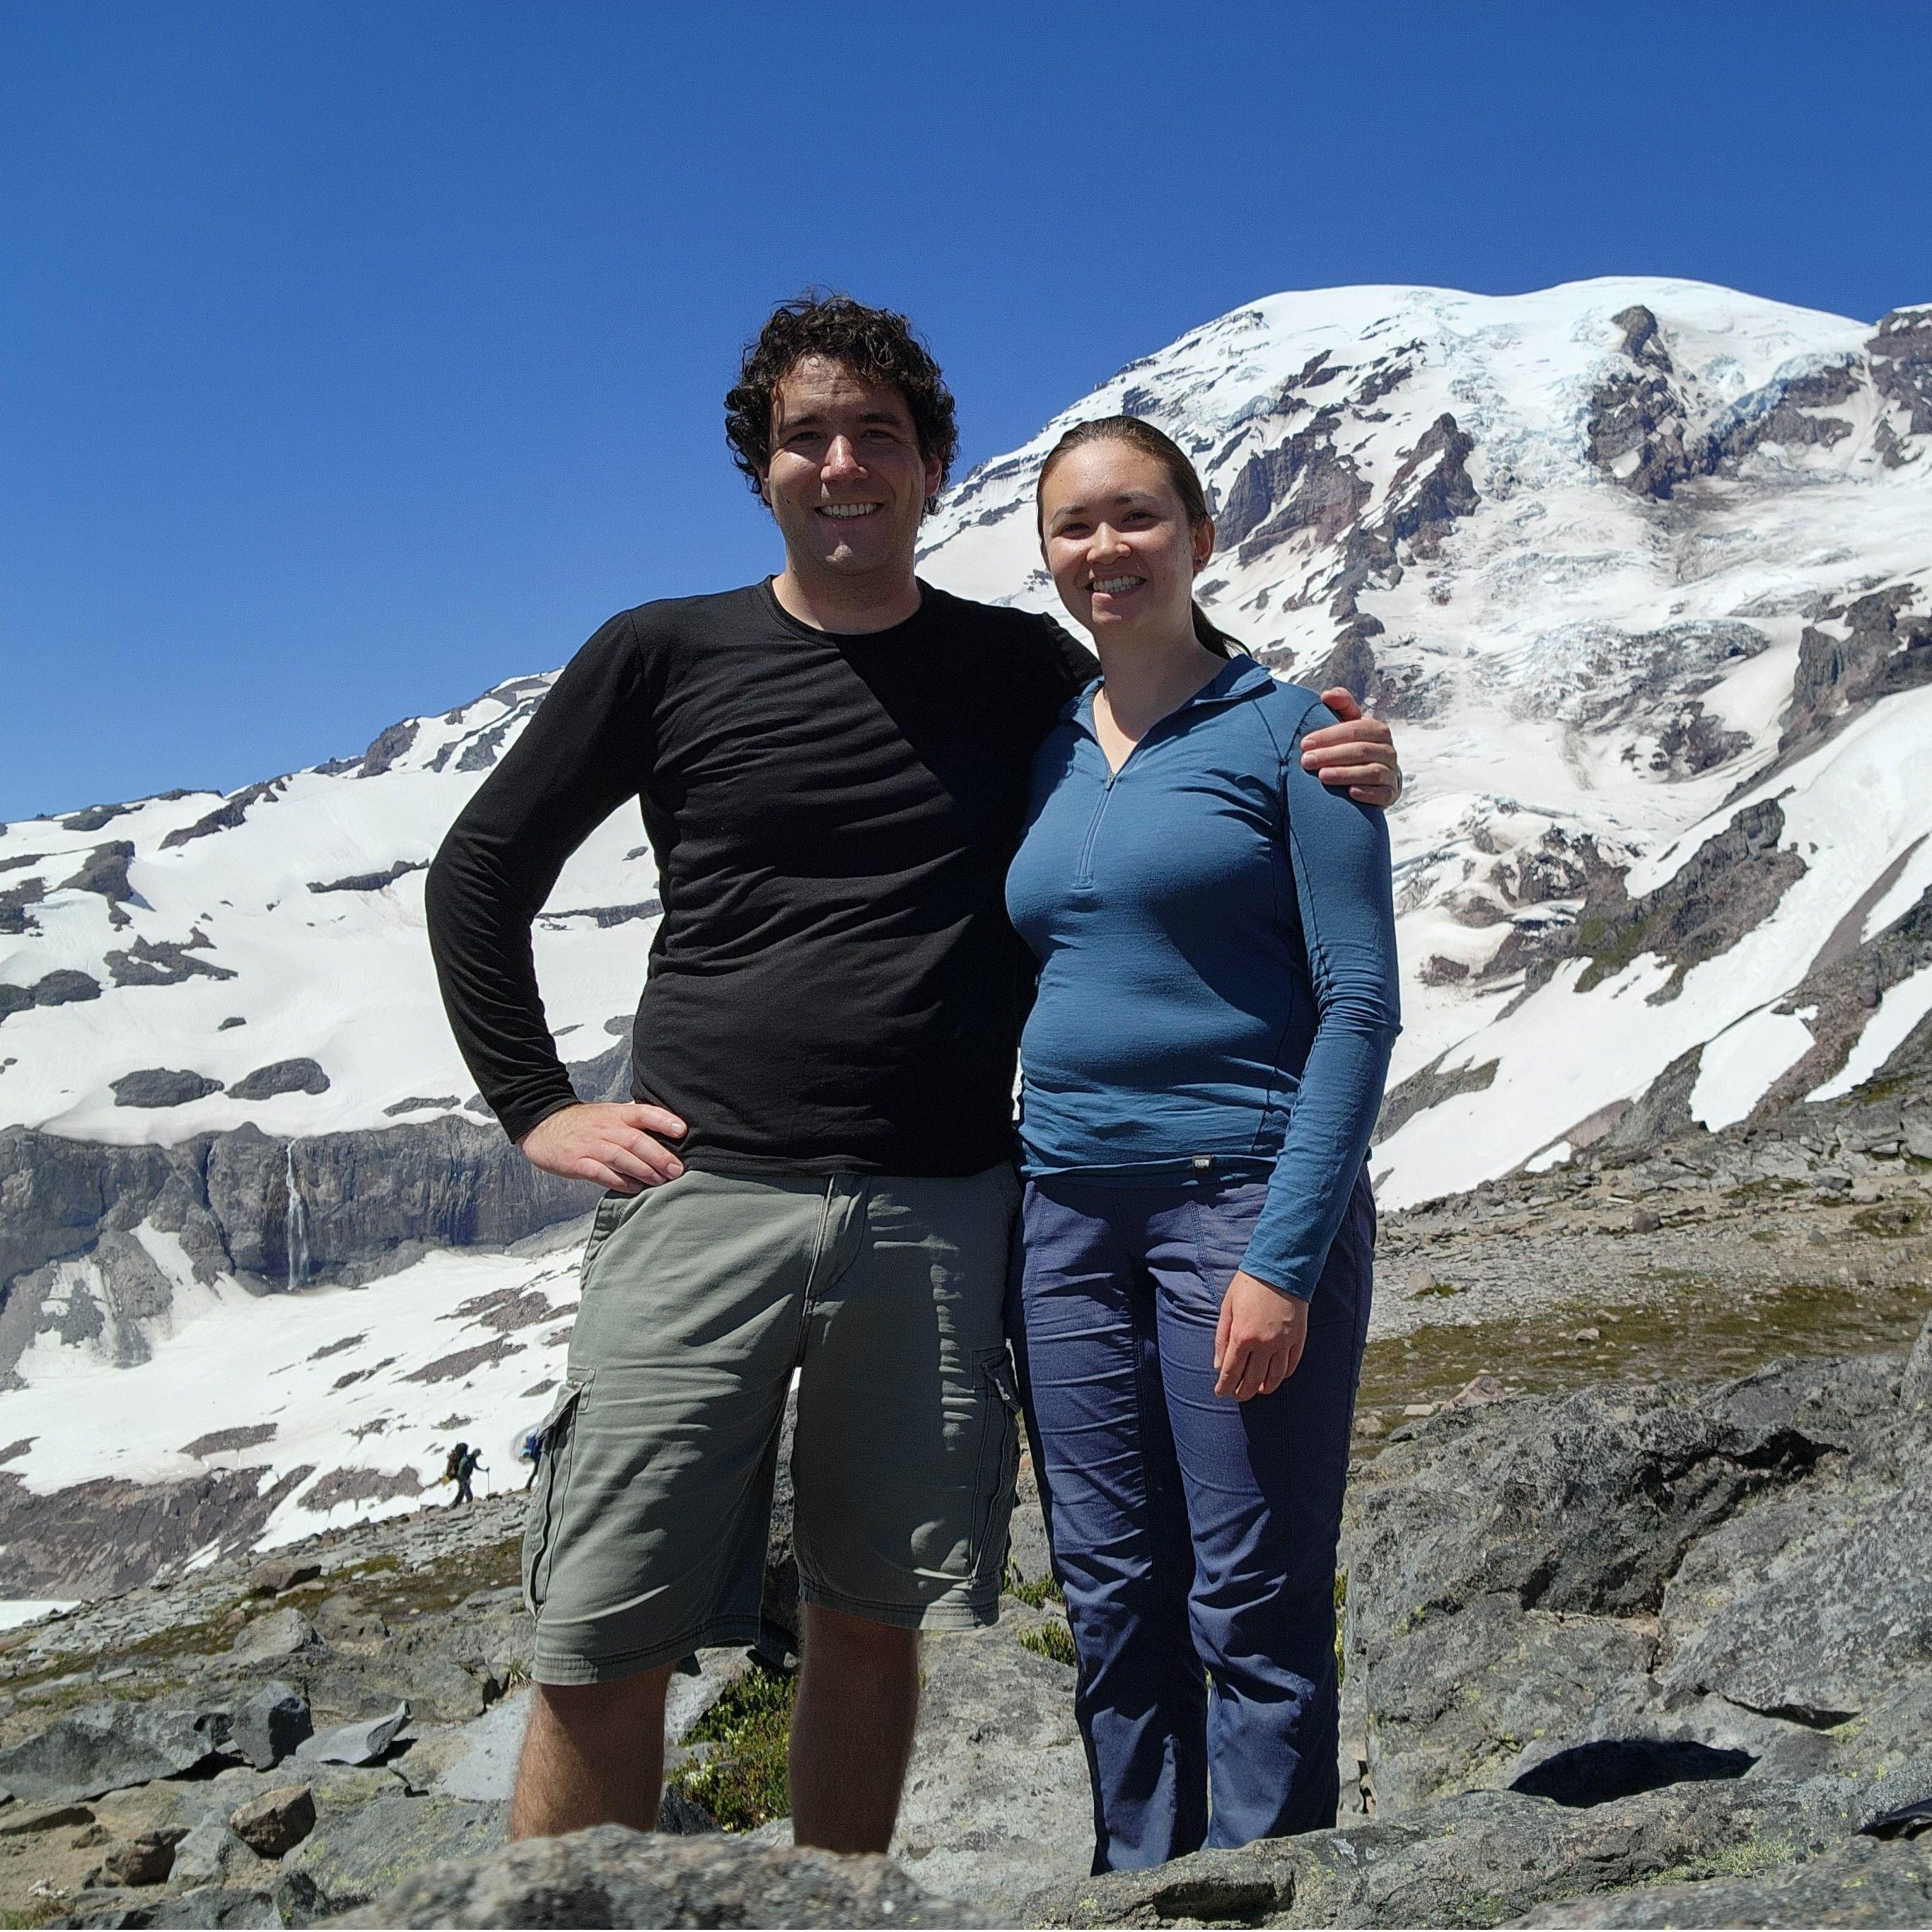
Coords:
874,343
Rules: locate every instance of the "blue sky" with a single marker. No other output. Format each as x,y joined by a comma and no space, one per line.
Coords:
353,358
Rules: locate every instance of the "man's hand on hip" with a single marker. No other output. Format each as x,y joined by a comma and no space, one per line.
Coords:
608,1141
1359,753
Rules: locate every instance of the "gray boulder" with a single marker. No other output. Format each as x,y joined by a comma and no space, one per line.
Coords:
274,1574
354,1856
108,1746
1536,1575
212,1855
1472,1860
207,1906
1859,1882
363,1742
1802,1607
280,1633
612,1877
996,1801
270,1725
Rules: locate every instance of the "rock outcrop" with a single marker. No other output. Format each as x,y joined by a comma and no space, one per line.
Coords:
609,1876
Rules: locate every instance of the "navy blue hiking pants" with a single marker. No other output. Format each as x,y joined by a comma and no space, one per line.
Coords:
1194,1536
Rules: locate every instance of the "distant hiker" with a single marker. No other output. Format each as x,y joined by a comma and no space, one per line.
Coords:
466,1468
815,1166
532,1453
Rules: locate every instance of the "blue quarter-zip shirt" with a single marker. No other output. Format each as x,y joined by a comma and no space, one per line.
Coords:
1216,937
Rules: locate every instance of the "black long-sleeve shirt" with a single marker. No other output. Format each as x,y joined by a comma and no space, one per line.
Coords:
834,985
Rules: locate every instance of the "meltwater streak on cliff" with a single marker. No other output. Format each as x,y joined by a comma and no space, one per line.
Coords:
295,1222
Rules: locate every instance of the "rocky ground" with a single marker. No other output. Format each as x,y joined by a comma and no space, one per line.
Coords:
1639,1631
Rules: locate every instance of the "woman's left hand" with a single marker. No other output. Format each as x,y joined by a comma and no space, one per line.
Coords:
1260,1338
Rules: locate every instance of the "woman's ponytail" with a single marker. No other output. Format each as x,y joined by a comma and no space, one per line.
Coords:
1209,635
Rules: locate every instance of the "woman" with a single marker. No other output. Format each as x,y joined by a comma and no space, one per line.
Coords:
1201,1072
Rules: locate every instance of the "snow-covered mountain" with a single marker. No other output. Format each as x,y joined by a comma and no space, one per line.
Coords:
1643,570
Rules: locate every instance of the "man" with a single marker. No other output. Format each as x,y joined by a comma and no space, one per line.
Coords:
814,1172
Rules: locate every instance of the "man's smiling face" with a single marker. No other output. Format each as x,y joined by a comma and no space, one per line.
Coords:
847,480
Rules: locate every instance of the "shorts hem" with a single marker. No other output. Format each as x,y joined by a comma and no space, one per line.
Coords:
976,1613
718,1634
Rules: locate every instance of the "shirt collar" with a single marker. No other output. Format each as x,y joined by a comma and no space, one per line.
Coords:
1240,677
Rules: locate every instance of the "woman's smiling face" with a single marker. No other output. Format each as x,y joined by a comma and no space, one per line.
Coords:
1117,543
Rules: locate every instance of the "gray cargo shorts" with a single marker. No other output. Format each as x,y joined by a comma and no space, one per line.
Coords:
647,1528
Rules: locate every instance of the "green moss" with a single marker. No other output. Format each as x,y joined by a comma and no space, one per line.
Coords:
1744,1860
1341,1604
1035,1595
1891,1219
741,1781
1053,1640
1435,1290
36,1913
382,1584
1690,1327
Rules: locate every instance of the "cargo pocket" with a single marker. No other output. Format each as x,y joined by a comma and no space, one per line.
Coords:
999,1464
559,1450
609,1212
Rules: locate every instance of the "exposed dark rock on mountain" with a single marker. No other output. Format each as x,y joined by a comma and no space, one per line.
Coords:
606,916
1419,516
1842,988
1885,650
96,1538
227,815
58,988
281,1076
93,817
1642,342
106,873
162,1087
1639,429
372,882
1901,353
1429,1088
1644,429
480,753
1303,483
388,746
1732,884
164,962
219,1440
16,907
368,1199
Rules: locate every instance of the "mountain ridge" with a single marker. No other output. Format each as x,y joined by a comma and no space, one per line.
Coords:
1642,569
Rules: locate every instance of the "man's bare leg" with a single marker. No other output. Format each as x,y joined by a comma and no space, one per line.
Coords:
851,1732
593,1755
